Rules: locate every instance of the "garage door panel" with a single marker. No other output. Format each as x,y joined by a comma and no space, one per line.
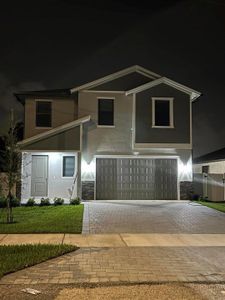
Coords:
124,179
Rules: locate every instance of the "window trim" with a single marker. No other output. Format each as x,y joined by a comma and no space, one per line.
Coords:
171,115
69,177
106,126
42,100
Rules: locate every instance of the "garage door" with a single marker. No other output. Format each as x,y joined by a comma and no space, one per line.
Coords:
133,179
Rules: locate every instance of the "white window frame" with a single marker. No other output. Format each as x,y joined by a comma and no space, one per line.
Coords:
75,162
106,126
170,99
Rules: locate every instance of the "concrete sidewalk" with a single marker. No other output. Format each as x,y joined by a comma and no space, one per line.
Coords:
117,240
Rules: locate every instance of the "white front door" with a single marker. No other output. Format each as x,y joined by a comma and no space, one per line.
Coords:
39,177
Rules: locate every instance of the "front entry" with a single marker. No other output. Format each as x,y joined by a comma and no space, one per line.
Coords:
39,177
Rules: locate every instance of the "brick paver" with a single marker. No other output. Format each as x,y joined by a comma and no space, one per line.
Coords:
151,217
134,264
119,240
137,264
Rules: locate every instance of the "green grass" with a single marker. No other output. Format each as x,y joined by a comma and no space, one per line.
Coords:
47,219
14,258
215,205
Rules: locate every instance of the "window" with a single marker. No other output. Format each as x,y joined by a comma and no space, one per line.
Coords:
205,169
68,166
162,112
106,112
43,113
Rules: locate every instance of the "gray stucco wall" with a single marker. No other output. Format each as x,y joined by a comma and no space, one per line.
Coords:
144,131
99,140
67,140
116,140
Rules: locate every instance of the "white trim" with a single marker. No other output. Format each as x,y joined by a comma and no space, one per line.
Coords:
178,180
75,165
191,138
81,137
95,173
133,121
99,91
150,76
171,112
38,127
55,130
163,127
139,146
107,98
45,151
135,156
193,94
116,75
43,100
106,126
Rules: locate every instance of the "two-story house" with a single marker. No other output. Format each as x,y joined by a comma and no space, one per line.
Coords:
124,136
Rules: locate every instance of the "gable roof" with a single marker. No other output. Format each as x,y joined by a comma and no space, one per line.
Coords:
153,78
193,94
151,75
54,131
210,157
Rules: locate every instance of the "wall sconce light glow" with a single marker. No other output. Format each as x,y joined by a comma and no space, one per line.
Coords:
185,170
88,169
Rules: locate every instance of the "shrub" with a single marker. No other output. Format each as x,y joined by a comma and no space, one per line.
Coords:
30,202
15,202
45,202
3,202
58,201
75,201
201,198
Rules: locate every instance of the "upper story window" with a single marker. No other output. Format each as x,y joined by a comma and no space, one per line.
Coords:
205,169
105,112
43,113
68,166
162,113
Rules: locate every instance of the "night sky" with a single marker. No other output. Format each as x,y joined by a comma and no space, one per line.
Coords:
64,43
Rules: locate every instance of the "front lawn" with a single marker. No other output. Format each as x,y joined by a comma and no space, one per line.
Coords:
46,219
215,205
14,258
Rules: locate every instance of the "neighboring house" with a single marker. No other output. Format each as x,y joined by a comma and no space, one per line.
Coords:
124,136
209,175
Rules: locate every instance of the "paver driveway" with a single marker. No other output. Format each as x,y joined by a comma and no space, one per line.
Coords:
137,264
151,217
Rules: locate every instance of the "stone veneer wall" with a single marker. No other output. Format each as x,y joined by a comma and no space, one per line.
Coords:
186,190
88,190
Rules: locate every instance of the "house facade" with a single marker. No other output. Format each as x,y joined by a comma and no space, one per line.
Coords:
209,176
127,135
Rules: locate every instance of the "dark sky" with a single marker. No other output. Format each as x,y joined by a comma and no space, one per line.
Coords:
63,43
